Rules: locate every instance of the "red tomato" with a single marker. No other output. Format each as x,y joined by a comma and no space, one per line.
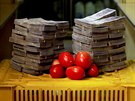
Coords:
83,59
75,73
55,62
57,71
66,59
93,71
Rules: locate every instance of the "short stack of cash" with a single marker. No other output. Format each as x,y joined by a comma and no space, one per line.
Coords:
35,44
102,35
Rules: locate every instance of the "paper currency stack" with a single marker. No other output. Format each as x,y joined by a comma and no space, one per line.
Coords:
102,35
36,42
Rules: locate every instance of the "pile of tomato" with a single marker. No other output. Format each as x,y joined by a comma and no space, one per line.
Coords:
74,67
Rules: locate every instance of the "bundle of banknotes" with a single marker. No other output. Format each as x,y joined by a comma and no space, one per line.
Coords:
102,35
36,42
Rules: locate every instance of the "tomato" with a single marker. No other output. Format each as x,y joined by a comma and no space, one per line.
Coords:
75,73
83,59
55,62
66,59
57,71
93,71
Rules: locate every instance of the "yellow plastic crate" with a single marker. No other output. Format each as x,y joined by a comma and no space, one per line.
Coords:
114,86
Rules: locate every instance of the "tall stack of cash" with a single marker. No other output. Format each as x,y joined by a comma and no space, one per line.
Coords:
34,44
102,35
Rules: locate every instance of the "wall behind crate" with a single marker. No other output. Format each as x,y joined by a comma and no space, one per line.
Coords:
7,1
83,8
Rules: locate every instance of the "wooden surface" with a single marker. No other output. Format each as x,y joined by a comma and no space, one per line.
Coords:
9,76
17,86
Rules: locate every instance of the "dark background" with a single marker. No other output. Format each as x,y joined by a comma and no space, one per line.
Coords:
55,9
